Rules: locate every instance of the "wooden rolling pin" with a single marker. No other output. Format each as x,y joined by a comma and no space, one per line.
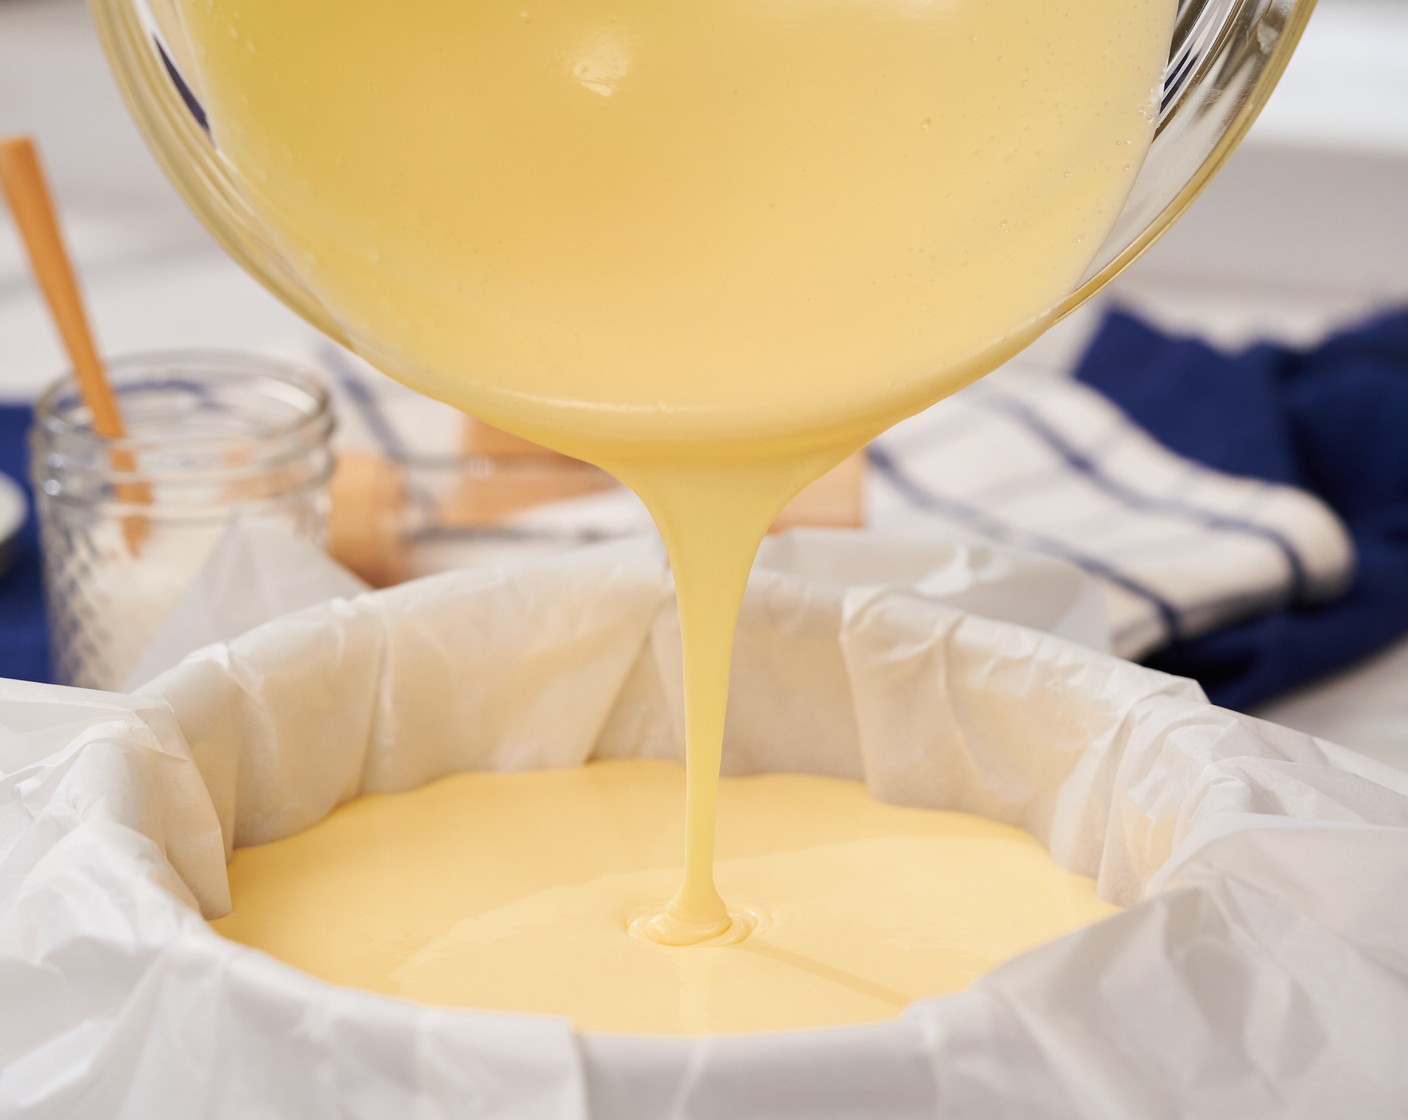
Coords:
367,517
368,522
836,500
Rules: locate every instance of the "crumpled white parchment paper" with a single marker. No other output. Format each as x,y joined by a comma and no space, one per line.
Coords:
1260,970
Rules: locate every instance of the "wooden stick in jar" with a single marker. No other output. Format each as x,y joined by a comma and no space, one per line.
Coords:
22,178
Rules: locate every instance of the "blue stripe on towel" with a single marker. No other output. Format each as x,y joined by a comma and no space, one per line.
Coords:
1081,463
1329,419
364,401
997,530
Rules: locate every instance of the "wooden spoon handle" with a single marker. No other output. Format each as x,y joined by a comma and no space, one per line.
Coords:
31,202
23,180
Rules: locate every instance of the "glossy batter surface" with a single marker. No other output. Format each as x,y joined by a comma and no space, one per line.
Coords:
631,222
517,892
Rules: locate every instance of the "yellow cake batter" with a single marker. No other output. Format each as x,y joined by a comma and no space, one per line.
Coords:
710,245
516,892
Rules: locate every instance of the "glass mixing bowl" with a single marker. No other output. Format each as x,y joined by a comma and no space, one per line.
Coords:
1224,61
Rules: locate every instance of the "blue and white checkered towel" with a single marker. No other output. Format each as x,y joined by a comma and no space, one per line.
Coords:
1045,465
1053,466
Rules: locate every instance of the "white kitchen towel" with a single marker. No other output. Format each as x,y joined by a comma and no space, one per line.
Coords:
1052,466
1043,464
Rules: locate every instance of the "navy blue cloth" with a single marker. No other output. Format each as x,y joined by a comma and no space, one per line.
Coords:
24,642
1332,420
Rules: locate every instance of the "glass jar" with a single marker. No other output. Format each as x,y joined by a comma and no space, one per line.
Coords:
215,442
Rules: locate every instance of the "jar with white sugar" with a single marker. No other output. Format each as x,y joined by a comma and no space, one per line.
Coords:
214,443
